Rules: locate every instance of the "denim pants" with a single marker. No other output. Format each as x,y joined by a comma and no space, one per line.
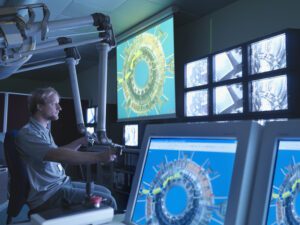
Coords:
73,193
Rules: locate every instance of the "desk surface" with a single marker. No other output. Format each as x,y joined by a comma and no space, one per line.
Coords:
117,220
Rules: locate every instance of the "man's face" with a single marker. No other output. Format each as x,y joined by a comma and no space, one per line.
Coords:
51,108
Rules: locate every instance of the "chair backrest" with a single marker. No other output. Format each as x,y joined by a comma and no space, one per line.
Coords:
19,183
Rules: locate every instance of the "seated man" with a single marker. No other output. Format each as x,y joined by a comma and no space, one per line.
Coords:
50,187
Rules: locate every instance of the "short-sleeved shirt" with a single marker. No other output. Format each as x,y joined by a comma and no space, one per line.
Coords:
46,178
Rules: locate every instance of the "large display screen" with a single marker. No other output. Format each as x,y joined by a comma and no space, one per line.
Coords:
185,181
146,76
284,205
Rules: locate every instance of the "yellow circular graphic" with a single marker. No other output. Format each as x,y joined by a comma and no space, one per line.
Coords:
146,48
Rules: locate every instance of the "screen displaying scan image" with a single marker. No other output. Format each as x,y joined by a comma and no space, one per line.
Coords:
185,180
131,134
284,204
146,74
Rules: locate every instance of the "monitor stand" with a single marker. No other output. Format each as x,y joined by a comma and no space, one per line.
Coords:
75,215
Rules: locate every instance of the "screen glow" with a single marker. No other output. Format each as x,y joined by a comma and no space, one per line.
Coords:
131,134
269,94
284,204
228,99
146,75
227,65
268,54
185,181
196,103
196,73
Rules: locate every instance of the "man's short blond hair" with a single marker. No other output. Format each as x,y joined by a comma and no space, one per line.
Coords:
40,96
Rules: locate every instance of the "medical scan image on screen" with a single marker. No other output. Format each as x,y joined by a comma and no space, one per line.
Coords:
146,75
284,204
131,134
185,181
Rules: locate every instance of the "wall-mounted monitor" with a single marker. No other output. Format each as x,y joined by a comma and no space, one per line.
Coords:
277,187
196,103
194,174
269,94
146,75
131,135
228,99
196,73
227,65
91,115
268,54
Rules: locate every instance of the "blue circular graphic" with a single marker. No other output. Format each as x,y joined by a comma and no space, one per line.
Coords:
176,200
141,74
297,203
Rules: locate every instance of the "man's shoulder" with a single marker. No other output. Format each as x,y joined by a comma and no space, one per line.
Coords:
28,130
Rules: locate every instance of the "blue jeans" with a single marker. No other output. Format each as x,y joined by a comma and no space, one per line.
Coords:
73,193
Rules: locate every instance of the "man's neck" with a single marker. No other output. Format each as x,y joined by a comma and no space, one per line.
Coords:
41,120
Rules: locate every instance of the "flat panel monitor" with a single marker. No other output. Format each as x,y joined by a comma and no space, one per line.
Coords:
131,135
91,115
227,65
269,94
193,174
146,74
196,73
228,99
276,196
268,54
196,103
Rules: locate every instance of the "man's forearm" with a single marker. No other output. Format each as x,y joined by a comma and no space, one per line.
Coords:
74,145
65,155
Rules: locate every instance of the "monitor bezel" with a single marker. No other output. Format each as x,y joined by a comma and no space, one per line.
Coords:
273,132
244,160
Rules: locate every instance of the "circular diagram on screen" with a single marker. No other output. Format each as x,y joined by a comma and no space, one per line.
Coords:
186,183
288,197
144,73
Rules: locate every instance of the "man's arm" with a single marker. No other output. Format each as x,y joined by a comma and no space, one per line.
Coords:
65,155
75,145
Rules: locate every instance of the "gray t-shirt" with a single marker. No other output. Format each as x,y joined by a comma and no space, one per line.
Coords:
33,142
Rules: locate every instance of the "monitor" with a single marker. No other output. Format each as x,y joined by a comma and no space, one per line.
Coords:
276,188
194,174
131,135
196,103
228,99
268,54
227,65
146,74
91,115
269,94
196,73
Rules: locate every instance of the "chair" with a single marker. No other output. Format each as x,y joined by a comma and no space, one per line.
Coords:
19,183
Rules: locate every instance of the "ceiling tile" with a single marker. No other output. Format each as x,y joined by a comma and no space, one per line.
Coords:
102,5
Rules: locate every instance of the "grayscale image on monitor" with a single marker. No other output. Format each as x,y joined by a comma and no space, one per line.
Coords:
227,65
193,174
228,99
196,103
268,54
196,73
131,134
269,94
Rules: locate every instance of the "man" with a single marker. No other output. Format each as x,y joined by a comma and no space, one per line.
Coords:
50,187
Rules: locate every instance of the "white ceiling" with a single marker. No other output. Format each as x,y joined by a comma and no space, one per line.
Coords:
124,15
